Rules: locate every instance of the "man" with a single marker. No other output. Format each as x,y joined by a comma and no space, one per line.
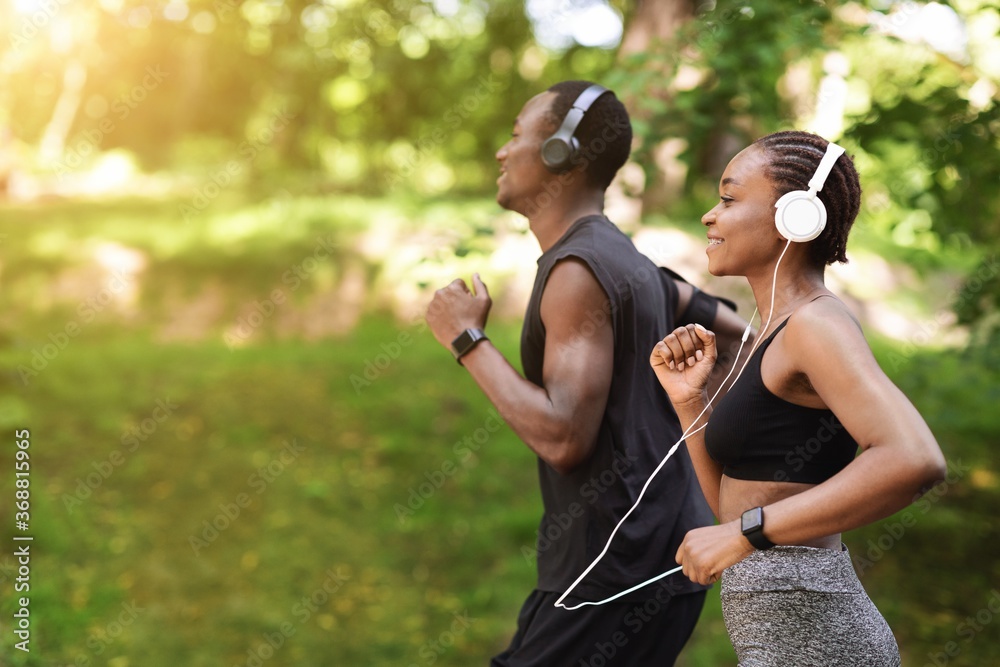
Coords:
589,404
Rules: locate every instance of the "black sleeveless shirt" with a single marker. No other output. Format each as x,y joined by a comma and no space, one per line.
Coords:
758,436
639,426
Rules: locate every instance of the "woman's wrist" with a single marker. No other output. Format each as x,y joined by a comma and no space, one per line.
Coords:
691,407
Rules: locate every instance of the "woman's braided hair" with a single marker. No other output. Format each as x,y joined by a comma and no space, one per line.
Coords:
792,159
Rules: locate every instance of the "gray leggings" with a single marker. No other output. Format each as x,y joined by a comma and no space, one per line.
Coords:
805,607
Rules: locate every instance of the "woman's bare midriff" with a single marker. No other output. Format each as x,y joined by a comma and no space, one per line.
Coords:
738,495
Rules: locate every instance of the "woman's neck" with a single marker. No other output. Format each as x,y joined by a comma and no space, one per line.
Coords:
793,289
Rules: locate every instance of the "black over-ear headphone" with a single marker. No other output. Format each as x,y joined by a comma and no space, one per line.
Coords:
561,149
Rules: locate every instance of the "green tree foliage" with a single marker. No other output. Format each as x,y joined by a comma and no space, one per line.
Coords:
380,93
924,125
408,95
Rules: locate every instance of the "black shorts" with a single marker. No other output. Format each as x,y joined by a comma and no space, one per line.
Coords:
639,632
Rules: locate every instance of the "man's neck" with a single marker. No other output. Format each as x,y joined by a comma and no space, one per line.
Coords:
550,224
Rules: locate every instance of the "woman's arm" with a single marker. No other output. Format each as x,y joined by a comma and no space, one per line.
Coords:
683,362
900,458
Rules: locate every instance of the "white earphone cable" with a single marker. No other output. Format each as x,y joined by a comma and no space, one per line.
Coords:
688,432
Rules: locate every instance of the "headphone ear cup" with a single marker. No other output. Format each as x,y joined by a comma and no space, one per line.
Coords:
799,217
560,150
557,153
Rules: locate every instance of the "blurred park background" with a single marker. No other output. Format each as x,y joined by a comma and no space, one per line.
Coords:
220,222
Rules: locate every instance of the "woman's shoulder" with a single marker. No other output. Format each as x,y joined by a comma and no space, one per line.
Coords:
822,313
824,327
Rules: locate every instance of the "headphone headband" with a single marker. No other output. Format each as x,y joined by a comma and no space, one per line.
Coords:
588,97
561,148
833,153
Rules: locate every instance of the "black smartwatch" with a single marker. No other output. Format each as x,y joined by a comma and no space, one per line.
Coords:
752,524
465,342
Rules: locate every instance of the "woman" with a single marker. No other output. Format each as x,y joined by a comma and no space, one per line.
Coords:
777,459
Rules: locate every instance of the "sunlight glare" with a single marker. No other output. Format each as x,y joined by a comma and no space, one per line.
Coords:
558,24
934,24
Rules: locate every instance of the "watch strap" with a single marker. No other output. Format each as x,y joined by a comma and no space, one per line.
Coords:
757,539
755,531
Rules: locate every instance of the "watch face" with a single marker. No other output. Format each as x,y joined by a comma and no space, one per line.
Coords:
463,341
751,519
466,340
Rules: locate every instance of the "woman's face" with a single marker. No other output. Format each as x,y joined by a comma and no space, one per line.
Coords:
741,231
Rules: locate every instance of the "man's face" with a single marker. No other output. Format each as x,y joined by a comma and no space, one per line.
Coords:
522,173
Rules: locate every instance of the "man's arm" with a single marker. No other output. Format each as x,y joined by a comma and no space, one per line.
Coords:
559,421
728,328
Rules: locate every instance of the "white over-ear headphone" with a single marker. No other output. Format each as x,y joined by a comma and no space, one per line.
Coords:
800,215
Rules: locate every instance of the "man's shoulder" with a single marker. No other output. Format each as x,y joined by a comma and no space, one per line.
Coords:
596,239
594,227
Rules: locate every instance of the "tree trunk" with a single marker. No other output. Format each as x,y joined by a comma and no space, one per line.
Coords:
654,20
657,21
54,138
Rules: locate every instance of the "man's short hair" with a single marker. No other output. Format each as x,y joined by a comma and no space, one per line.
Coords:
604,134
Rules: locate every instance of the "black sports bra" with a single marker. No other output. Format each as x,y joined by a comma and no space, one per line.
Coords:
758,436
